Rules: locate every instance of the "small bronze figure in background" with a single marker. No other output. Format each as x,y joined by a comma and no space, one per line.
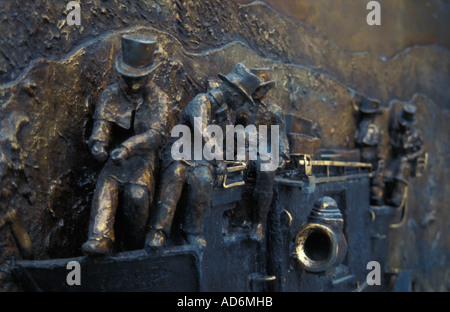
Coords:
130,120
368,139
213,107
406,150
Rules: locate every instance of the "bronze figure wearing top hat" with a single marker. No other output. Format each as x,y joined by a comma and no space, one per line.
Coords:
130,123
199,175
269,114
368,139
137,59
406,149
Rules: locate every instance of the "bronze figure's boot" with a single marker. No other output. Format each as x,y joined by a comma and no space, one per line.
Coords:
195,239
162,222
156,239
101,229
93,246
264,201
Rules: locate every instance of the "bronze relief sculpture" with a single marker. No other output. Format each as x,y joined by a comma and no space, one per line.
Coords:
150,221
143,180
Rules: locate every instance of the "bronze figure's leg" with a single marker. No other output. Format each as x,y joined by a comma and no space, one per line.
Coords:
262,195
136,211
172,182
101,228
369,155
400,182
201,187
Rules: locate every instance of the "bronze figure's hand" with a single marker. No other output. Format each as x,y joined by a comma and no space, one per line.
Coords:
99,152
282,162
221,167
119,155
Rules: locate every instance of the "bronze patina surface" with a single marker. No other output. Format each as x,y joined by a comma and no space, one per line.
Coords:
323,57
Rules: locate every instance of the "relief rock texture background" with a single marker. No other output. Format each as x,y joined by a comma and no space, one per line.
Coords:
321,53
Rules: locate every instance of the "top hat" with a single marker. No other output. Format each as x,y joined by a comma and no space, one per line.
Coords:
137,56
407,116
243,81
369,106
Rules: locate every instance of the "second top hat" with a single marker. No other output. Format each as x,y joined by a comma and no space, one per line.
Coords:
407,116
243,81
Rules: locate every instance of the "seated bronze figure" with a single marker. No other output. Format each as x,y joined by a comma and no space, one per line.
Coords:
129,125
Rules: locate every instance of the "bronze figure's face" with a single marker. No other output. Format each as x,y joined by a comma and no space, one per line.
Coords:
234,99
239,85
407,116
135,83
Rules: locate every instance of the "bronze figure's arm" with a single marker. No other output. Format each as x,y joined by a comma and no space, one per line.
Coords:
415,155
100,138
150,139
142,142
